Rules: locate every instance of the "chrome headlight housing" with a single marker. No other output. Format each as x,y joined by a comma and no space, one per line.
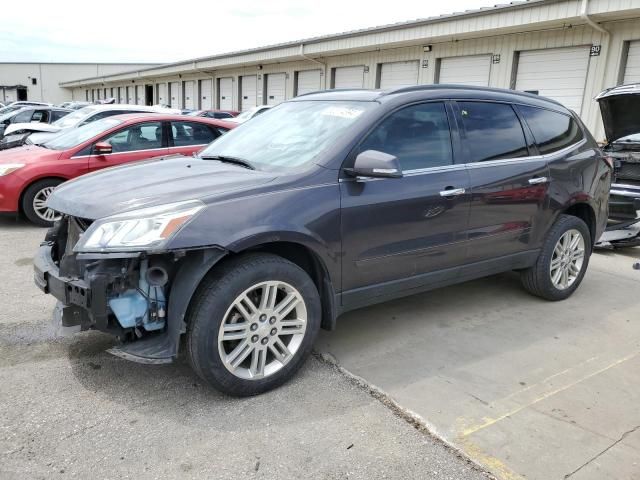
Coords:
7,168
144,229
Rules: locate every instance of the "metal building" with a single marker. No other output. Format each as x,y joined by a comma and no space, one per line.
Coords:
40,82
564,49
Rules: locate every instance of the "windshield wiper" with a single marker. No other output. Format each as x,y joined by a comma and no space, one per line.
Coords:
228,159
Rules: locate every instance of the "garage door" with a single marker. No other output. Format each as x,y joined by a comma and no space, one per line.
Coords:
469,70
249,89
162,93
276,86
632,69
139,95
349,77
558,73
121,95
206,94
225,93
399,74
175,95
189,97
130,96
308,81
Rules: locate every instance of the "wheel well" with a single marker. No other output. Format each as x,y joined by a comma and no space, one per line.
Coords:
310,263
32,183
587,215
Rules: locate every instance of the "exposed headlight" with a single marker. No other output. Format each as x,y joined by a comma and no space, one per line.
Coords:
144,229
7,168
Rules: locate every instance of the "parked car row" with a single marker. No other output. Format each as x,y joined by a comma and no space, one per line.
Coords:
326,203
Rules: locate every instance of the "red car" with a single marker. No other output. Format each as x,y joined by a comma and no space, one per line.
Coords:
30,173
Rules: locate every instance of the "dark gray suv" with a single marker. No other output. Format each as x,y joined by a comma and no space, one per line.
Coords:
326,203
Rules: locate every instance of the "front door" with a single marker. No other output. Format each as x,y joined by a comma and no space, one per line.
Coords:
403,234
509,181
132,143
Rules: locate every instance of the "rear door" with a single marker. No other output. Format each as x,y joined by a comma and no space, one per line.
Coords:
509,181
139,141
189,137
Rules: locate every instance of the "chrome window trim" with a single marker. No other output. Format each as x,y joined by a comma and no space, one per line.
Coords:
492,163
121,153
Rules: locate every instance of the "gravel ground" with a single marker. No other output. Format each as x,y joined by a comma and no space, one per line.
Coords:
67,409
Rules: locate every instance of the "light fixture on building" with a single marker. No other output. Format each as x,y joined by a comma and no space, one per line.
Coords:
427,48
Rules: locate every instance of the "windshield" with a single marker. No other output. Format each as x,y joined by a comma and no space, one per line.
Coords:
81,134
74,118
6,116
288,135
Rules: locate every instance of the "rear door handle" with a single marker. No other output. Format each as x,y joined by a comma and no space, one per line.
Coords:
452,192
538,180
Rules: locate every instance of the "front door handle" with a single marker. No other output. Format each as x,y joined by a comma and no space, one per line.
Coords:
538,180
452,192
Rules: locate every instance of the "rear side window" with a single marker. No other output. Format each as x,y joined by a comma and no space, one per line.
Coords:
418,135
552,131
492,131
191,133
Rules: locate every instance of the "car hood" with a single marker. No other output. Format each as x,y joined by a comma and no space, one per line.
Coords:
619,107
38,138
28,154
31,127
151,183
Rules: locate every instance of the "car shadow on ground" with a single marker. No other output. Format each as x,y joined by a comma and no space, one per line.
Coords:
15,222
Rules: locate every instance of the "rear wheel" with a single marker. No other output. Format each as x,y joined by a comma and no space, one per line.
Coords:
34,202
252,324
563,260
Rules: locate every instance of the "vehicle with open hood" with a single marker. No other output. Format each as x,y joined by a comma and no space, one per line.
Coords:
620,108
39,133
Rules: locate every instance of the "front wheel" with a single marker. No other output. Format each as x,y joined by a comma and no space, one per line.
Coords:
563,260
252,324
34,202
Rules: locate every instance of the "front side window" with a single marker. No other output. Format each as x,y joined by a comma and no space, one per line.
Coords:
552,131
191,133
40,116
22,117
418,136
492,131
136,137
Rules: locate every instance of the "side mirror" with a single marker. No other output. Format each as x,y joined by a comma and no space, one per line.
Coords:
102,148
375,164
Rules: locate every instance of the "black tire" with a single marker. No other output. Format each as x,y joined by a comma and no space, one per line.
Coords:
537,279
215,296
28,197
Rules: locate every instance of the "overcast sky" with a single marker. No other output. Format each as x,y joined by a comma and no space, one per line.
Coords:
166,31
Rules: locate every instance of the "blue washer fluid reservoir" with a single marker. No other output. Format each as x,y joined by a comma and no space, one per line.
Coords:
144,307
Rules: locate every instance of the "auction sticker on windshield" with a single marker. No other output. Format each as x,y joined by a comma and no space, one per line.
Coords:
342,112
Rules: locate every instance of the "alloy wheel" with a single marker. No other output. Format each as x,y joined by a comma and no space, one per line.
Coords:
567,259
40,205
262,330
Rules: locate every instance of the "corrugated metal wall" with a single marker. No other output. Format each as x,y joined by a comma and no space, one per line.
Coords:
603,70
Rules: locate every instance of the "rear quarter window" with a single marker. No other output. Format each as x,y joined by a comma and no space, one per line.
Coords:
552,131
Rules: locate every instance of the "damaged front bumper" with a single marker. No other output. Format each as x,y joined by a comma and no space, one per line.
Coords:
140,299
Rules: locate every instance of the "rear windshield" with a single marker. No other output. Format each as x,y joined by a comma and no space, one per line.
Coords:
80,135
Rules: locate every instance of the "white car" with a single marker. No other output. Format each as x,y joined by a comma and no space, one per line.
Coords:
249,114
40,133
